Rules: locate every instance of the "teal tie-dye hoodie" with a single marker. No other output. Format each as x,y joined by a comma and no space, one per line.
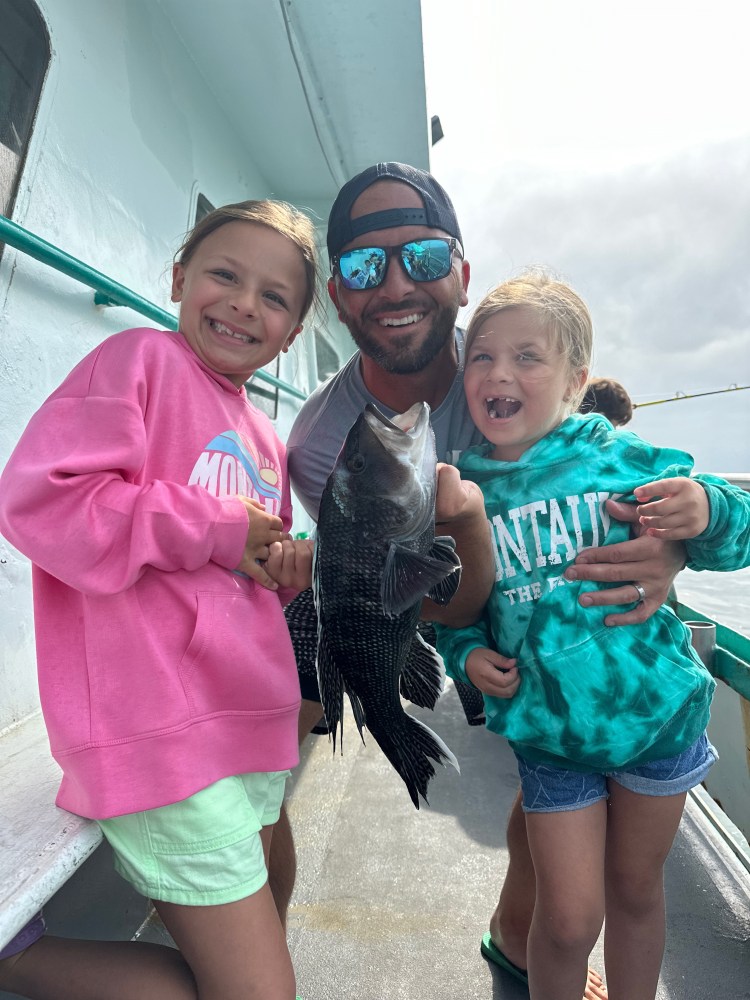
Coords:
591,698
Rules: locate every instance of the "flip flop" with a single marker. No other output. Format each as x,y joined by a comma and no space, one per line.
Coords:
493,954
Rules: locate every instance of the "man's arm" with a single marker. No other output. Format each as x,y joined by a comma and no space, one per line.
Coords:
459,511
650,562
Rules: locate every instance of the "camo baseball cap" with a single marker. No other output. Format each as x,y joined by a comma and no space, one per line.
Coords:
437,213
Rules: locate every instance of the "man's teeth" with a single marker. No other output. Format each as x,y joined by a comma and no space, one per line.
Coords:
404,321
220,328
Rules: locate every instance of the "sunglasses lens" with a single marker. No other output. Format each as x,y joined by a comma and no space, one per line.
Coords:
363,267
427,260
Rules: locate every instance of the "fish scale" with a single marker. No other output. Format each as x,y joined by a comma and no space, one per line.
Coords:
376,558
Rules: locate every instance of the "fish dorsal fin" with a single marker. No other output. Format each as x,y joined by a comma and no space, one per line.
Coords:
408,576
423,676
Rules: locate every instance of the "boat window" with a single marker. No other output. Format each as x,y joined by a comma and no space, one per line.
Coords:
24,57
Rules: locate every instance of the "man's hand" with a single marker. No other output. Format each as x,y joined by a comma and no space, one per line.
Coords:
263,530
495,675
457,499
649,562
681,512
459,511
289,562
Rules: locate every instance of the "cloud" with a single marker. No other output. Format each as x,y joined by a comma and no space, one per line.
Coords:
659,251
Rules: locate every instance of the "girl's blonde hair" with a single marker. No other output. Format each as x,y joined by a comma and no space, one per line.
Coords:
561,311
277,215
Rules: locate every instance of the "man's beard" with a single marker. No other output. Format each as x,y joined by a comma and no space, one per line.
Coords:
396,355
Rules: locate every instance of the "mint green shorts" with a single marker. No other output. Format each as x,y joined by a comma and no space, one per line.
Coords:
205,850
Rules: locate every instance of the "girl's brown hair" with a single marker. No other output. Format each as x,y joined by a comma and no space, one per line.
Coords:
277,215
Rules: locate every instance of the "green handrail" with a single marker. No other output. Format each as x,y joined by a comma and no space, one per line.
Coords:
108,292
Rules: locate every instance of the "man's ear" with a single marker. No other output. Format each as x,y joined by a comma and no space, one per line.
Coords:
465,277
178,282
333,294
291,338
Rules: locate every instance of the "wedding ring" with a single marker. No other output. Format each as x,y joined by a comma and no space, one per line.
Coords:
641,593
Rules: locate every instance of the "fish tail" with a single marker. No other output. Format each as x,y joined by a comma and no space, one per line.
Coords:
411,747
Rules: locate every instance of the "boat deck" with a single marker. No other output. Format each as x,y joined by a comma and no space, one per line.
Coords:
392,902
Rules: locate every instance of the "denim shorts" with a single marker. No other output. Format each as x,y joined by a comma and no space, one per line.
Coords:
553,789
205,850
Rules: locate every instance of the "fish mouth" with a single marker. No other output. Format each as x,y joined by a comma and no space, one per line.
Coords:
412,422
502,407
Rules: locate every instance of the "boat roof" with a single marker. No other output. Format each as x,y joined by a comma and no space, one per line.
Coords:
325,95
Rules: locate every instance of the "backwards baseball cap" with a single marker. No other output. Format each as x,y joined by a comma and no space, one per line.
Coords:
437,213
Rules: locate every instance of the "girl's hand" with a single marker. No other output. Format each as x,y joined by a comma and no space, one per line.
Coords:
682,511
290,562
494,674
263,531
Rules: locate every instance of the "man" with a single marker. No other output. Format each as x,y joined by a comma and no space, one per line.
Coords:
398,280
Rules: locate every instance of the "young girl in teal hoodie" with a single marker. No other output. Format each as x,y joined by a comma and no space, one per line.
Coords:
608,725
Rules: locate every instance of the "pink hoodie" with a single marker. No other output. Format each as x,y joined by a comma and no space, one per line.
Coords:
160,669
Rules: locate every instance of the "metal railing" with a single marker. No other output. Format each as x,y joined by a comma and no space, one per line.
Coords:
107,291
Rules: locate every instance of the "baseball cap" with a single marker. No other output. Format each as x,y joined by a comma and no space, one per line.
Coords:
437,213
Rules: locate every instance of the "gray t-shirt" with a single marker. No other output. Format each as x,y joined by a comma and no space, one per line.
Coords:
321,426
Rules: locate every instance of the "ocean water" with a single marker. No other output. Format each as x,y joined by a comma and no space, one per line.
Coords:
724,597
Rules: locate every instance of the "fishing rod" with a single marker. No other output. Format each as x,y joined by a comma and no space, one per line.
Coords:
689,395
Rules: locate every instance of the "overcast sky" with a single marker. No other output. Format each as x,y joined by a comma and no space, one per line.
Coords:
611,143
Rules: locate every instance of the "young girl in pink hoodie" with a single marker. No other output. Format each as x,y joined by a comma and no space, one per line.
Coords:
153,501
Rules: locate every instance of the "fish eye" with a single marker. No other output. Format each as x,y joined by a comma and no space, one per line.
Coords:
356,463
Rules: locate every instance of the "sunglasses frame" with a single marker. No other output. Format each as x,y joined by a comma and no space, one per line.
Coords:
397,250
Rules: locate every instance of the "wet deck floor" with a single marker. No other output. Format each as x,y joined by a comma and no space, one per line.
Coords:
392,902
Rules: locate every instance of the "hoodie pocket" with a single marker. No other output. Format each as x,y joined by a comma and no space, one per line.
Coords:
621,697
233,663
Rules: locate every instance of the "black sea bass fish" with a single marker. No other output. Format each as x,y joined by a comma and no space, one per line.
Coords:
376,557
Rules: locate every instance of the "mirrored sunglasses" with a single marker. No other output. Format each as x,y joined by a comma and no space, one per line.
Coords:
422,260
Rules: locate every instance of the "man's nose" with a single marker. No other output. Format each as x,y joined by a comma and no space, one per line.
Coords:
397,282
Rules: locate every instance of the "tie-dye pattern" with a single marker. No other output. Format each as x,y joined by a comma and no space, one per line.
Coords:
591,698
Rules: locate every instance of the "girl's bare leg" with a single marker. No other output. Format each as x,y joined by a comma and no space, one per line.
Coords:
509,924
640,833
66,969
237,951
568,853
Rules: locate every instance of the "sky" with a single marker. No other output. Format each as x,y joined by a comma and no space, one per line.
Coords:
610,143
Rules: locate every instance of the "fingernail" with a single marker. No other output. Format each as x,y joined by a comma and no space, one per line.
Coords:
585,600
570,574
